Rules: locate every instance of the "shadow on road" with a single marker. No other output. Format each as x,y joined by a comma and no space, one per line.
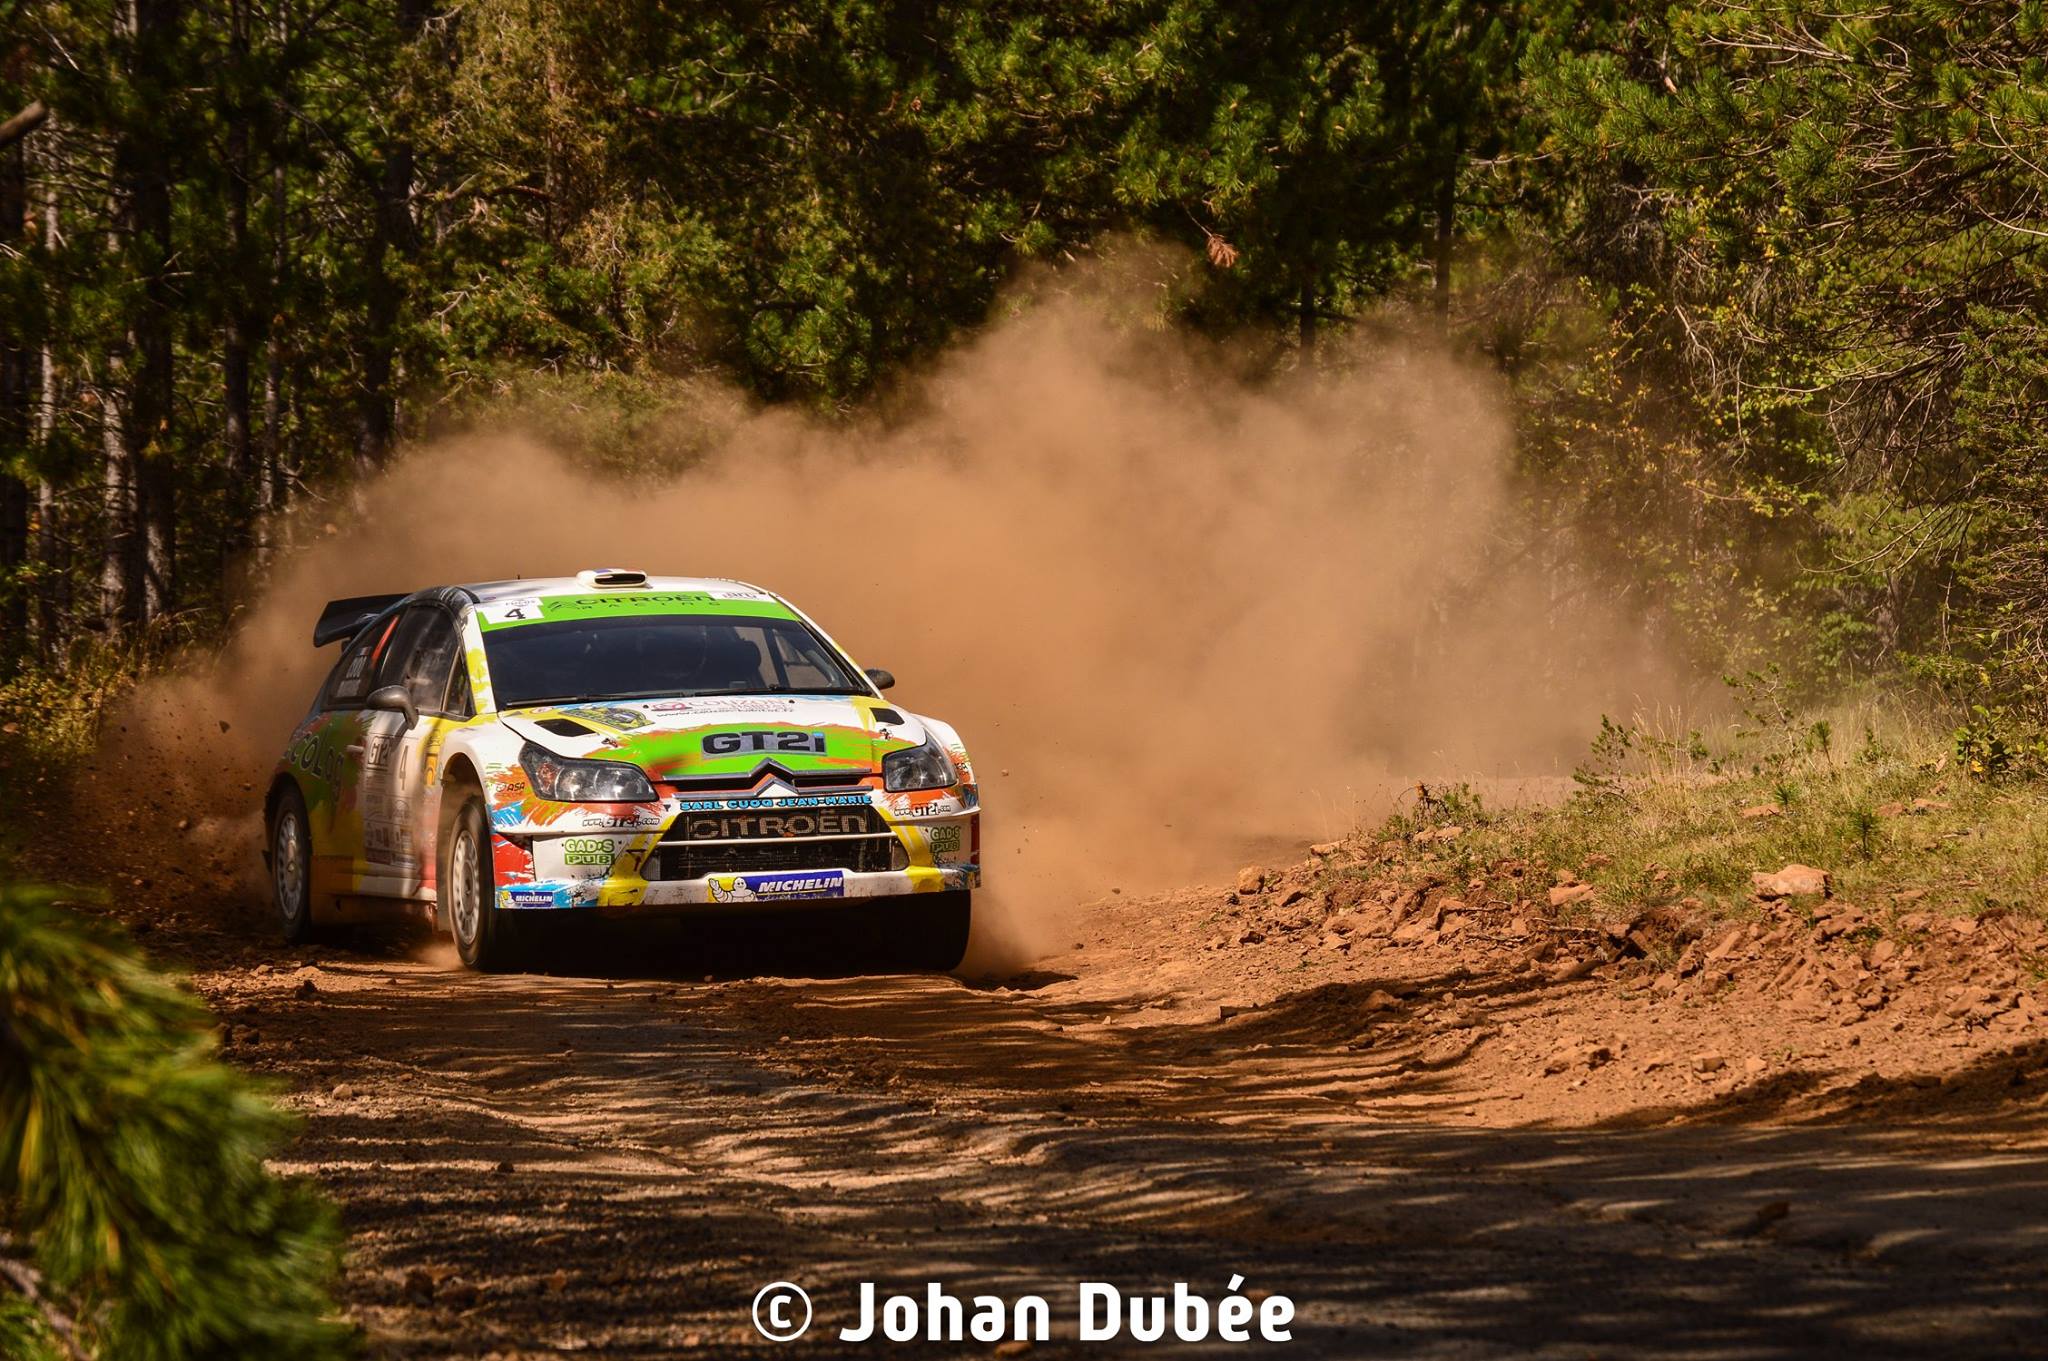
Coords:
615,1162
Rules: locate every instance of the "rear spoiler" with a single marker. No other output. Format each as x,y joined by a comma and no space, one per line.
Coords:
345,618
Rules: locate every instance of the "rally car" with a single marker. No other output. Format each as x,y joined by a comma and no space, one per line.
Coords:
493,755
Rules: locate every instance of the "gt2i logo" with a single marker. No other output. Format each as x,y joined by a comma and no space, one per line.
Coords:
377,751
589,850
731,743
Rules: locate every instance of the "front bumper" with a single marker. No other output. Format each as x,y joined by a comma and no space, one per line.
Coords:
774,888
754,853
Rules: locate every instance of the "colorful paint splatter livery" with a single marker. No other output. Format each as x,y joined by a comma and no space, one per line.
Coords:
609,741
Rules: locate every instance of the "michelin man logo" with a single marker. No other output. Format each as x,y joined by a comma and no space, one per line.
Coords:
756,888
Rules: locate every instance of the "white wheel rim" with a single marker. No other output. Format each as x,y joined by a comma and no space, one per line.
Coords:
289,857
466,908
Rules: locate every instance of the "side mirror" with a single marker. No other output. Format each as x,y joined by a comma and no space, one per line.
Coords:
396,699
883,679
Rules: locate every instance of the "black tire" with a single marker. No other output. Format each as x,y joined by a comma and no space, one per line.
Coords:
484,937
291,866
928,933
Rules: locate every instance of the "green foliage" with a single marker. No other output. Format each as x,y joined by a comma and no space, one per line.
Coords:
1618,749
132,1172
1826,232
52,713
1611,749
1668,828
1449,805
391,218
1437,806
1993,744
1765,287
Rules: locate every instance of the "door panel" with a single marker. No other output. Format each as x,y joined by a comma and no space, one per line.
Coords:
398,764
319,754
388,853
329,756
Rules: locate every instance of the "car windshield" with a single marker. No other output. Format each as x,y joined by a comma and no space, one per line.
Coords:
661,656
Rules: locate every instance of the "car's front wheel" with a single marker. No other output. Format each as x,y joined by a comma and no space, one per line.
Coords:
291,865
483,935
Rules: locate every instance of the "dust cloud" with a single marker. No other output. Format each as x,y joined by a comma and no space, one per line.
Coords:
1179,618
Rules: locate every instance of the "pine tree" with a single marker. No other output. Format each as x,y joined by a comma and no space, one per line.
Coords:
137,1217
1837,222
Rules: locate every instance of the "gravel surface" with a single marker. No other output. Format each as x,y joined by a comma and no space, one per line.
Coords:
1423,1146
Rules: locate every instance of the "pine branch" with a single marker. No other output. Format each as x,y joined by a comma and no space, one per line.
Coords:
27,1282
23,123
142,1185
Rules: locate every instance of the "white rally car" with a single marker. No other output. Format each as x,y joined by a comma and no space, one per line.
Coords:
614,742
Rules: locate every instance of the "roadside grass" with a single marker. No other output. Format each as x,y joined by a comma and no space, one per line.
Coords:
51,720
1899,813
51,715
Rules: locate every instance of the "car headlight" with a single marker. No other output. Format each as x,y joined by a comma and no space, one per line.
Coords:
567,781
922,767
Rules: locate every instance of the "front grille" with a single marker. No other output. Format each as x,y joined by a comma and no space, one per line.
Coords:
864,855
776,822
762,840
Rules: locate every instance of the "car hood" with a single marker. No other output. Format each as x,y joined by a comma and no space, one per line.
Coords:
725,735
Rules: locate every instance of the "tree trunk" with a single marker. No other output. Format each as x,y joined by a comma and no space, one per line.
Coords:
297,382
155,386
391,234
270,475
14,506
52,595
14,414
270,482
1446,228
53,582
137,580
121,562
270,488
376,421
241,322
239,446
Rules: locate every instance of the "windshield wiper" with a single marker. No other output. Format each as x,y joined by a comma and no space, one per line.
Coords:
540,703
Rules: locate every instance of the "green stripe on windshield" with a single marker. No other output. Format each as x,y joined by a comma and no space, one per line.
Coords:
553,609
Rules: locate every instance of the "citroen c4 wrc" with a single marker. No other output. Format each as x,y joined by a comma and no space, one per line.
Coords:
499,754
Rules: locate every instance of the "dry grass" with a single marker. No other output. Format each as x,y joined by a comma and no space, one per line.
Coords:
1662,816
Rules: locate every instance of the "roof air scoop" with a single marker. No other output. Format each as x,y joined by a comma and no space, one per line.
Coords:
611,576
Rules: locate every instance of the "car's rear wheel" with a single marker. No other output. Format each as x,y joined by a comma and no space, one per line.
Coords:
928,932
484,937
291,865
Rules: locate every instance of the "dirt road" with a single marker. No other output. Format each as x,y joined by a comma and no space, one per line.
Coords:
613,1159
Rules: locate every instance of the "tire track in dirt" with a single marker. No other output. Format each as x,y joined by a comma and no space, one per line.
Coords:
613,1165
